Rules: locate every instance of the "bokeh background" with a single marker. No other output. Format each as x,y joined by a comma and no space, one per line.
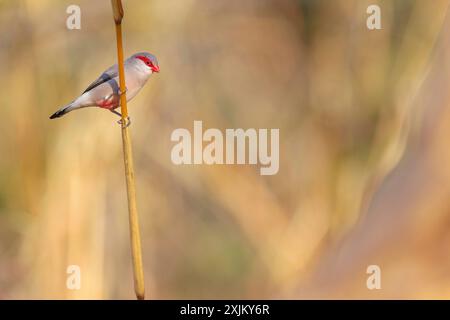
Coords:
364,176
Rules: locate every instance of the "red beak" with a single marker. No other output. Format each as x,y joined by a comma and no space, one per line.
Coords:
155,68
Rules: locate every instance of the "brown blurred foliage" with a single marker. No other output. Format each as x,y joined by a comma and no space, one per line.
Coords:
362,178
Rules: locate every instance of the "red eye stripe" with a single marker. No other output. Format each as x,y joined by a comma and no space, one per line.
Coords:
145,59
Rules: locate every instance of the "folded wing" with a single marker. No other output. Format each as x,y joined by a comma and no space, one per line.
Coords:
109,74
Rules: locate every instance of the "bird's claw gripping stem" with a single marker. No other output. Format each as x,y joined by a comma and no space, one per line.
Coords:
127,120
126,124
122,93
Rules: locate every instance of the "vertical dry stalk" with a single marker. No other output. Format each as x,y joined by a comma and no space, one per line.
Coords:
136,252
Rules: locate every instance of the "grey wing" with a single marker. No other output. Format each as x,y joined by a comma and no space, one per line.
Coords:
109,74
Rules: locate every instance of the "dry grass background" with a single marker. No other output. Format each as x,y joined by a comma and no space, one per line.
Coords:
348,103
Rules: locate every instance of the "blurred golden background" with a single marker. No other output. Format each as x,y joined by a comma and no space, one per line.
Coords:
364,176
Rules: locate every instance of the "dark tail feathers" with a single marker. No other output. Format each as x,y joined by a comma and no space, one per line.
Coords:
59,113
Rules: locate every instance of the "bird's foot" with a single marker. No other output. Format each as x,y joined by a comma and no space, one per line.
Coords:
122,93
126,123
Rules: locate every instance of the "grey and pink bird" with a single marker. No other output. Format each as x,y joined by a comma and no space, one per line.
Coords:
105,92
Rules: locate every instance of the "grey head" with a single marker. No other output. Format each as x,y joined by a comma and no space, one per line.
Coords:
148,59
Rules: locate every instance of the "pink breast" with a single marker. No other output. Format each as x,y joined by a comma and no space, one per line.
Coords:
108,103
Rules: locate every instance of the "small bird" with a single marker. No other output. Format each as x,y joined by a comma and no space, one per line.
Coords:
105,92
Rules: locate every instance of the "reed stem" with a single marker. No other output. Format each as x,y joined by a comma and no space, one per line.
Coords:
136,251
